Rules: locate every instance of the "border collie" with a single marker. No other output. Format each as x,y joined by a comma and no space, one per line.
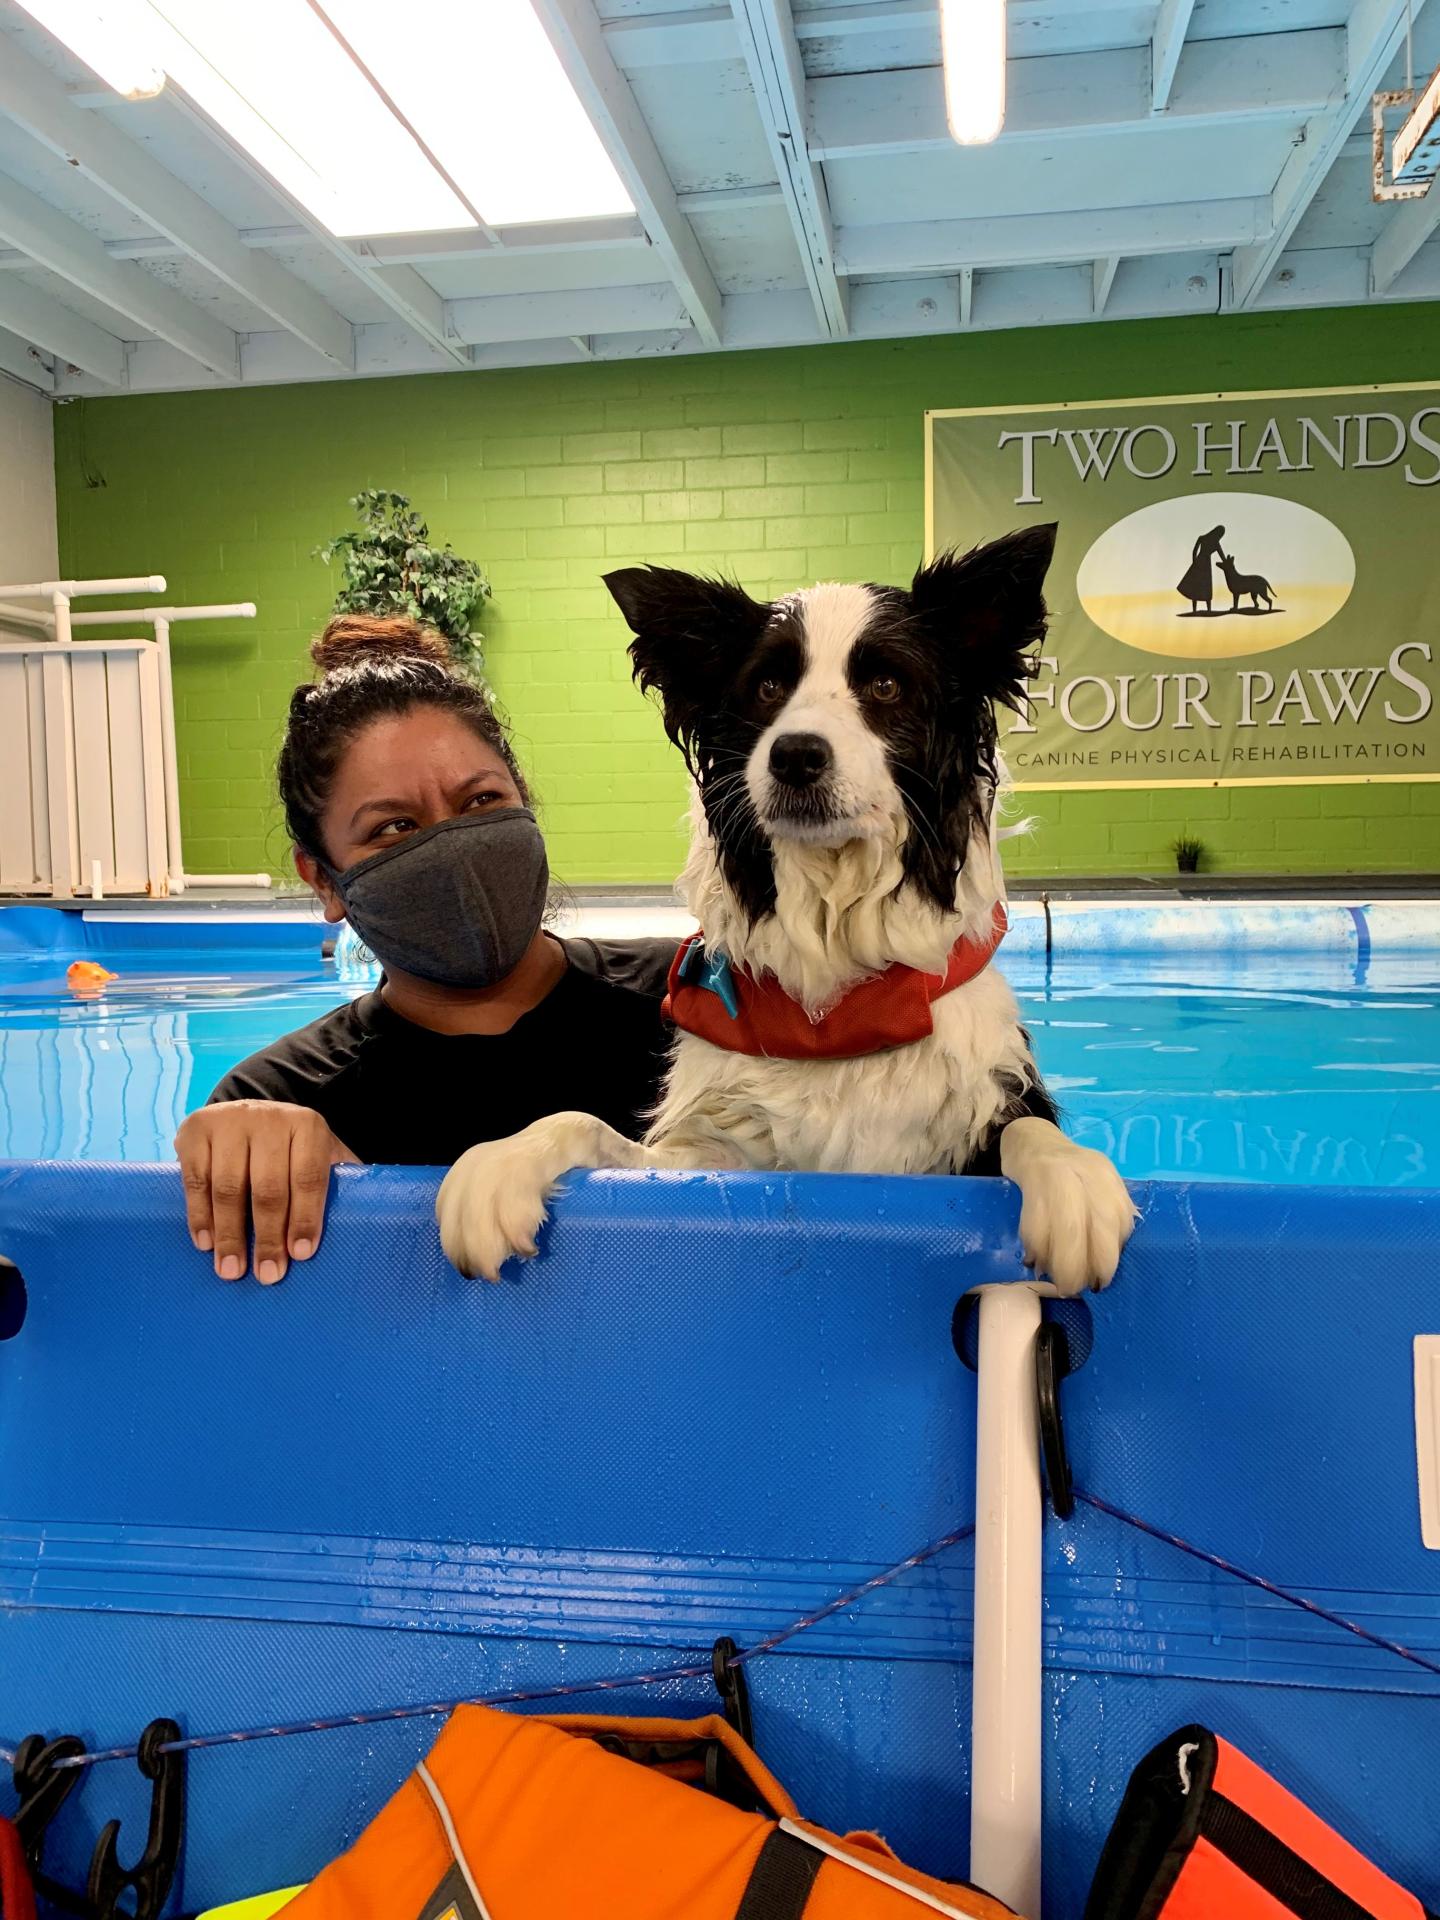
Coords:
844,871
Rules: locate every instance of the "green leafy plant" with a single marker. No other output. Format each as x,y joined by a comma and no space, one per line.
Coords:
389,565
1188,853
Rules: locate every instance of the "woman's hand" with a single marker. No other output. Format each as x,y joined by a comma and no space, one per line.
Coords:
263,1160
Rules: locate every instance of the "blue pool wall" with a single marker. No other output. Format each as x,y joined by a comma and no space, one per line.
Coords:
1356,930
713,1403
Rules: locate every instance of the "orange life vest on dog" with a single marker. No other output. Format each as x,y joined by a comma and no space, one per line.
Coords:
1205,1834
514,1817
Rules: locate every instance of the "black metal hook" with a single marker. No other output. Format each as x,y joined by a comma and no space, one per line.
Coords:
152,1875
733,1688
1052,1363
43,1788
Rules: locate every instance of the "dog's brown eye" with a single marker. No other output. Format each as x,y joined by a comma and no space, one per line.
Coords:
768,692
884,687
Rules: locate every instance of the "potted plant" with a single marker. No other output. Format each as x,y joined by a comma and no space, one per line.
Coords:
389,565
1188,852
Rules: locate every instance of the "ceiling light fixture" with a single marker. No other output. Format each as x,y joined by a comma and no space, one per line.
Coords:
273,76
972,39
497,111
110,36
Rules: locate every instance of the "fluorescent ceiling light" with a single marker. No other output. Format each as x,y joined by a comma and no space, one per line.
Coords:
378,116
485,90
972,37
275,78
110,36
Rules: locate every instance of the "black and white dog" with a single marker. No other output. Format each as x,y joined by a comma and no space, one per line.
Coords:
843,747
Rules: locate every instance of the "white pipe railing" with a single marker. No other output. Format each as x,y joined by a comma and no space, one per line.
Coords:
28,616
232,610
82,589
1006,1697
171,755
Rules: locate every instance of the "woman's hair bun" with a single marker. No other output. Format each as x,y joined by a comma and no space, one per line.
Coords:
351,638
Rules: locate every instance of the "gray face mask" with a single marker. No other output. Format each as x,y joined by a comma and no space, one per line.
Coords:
457,903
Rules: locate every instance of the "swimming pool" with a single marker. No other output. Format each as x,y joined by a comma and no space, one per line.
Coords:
1185,1062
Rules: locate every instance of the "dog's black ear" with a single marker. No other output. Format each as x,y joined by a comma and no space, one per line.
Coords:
988,607
691,637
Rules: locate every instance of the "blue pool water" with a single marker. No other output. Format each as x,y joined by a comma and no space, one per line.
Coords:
1300,1068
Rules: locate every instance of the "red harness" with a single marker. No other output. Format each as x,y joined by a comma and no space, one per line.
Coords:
732,1010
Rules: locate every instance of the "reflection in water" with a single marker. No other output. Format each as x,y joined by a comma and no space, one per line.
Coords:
1207,1068
109,1076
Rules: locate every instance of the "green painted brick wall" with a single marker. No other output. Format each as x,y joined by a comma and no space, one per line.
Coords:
783,467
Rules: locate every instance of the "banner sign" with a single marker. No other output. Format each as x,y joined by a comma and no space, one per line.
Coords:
1246,587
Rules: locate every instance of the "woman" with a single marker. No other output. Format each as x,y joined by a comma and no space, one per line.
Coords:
1197,583
411,819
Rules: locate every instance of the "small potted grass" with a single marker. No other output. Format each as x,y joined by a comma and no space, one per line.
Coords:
1188,852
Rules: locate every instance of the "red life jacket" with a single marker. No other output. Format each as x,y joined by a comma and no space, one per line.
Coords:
1205,1834
734,1010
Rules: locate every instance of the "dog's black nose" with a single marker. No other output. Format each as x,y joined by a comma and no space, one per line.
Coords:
800,759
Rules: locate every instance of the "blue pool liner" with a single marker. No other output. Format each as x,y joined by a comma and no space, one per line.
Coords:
294,933
715,1402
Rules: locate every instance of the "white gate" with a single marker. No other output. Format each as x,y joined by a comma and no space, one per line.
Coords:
82,786
89,777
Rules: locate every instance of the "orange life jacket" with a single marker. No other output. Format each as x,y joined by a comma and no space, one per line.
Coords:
1205,1834
514,1817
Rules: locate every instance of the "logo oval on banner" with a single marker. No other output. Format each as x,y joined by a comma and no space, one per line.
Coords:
1214,575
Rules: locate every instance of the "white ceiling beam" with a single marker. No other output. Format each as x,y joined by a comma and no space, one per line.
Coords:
1375,33
1049,239
60,330
413,301
673,39
1167,43
707,32
560,236
574,31
1177,284
777,80
1340,277
51,241
1105,272
1276,76
573,236
22,361
729,199
967,296
1407,229
36,101
498,317
546,236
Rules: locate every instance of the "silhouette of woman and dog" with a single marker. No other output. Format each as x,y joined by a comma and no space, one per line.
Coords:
1197,583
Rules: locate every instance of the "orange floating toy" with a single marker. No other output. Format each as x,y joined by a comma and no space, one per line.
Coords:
87,976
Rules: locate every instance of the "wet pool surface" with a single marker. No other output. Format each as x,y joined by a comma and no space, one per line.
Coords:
1297,1068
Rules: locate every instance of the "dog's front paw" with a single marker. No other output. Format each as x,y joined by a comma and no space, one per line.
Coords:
491,1206
1075,1211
